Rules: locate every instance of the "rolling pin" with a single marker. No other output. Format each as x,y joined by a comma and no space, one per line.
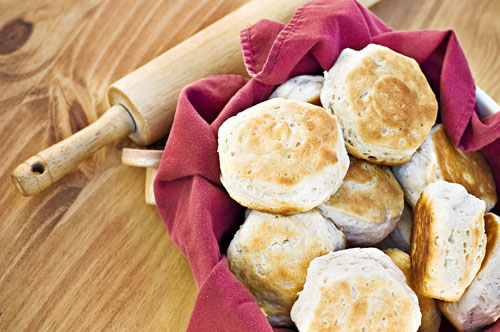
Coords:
143,102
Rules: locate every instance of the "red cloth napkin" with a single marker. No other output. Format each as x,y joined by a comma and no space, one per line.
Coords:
199,215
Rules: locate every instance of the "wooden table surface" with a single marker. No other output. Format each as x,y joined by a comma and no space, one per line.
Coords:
88,254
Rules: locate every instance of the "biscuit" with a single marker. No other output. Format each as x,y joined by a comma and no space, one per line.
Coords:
480,304
367,205
439,159
304,87
448,241
431,316
355,290
401,235
383,101
282,156
270,254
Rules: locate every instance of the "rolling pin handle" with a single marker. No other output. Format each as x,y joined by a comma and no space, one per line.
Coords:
48,166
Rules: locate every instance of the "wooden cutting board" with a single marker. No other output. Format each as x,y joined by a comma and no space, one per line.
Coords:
88,254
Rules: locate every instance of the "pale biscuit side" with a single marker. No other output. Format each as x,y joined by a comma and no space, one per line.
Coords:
448,241
367,205
303,87
400,237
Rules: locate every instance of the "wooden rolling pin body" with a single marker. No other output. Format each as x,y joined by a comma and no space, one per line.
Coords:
148,96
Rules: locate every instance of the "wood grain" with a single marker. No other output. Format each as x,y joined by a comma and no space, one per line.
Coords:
89,254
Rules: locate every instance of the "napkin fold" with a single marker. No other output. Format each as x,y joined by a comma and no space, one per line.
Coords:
200,216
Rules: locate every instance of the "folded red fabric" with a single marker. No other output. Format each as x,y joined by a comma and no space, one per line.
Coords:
199,215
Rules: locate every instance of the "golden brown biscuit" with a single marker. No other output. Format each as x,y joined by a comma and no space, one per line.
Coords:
282,156
367,205
270,254
431,317
383,102
438,159
356,290
448,241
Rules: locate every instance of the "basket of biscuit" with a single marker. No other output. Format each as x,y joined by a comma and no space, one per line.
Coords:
341,187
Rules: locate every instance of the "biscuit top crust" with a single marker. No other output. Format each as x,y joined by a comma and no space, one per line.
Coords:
270,255
280,141
470,169
365,292
369,191
367,297
392,102
276,240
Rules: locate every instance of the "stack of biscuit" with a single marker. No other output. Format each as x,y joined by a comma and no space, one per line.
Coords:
329,166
